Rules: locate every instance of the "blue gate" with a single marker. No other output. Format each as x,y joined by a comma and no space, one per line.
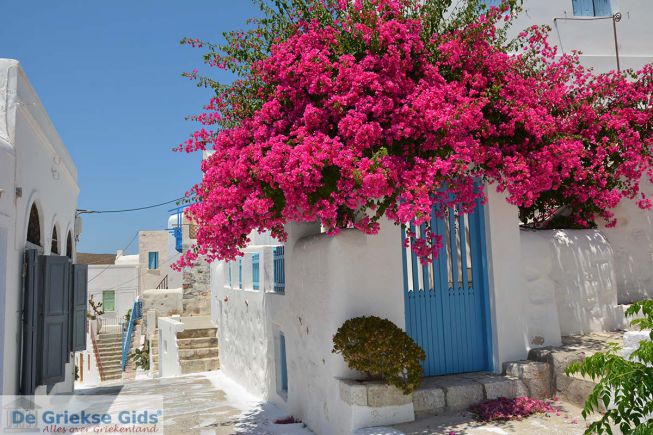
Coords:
446,302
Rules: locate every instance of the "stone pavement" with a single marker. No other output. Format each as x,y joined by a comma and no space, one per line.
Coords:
191,403
568,422
204,404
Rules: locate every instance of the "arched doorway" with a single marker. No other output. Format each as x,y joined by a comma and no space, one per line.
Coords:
34,227
69,246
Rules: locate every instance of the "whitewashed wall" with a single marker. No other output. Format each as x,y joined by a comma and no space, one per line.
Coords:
168,352
121,278
632,243
572,271
34,159
594,38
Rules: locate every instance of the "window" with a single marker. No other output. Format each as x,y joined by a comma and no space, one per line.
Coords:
109,300
153,258
256,272
230,280
54,247
282,384
34,227
279,269
592,8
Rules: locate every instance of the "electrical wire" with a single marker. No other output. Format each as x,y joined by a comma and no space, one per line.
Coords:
117,256
83,211
117,286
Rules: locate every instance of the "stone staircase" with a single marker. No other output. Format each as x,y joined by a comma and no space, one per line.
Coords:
154,352
198,350
110,353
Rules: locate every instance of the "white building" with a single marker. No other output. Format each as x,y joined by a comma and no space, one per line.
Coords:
113,282
501,292
38,198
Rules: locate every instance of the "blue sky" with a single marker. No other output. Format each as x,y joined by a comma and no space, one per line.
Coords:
108,73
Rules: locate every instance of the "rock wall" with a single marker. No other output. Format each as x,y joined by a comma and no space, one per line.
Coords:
196,297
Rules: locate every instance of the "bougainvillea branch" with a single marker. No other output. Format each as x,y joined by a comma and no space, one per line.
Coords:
349,111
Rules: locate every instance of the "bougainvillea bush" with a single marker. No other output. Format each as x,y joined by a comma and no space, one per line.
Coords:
504,409
346,111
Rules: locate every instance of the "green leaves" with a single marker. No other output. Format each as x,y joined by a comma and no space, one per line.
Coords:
625,386
382,350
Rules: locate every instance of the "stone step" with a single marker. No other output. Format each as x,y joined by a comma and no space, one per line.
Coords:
442,394
196,343
198,353
198,333
107,347
574,389
110,335
108,353
199,365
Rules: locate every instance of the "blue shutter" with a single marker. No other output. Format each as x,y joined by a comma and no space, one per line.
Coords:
56,319
602,8
255,272
31,303
80,282
279,269
153,260
491,3
583,8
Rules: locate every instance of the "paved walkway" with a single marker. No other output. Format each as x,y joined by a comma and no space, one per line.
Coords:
204,404
567,422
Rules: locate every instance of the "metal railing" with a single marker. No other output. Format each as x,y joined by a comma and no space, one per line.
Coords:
129,333
106,324
615,19
94,328
279,269
163,285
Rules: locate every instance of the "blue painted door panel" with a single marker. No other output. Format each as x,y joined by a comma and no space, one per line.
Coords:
446,302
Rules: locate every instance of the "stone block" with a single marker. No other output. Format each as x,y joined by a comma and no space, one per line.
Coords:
502,386
429,400
460,394
535,375
379,395
353,392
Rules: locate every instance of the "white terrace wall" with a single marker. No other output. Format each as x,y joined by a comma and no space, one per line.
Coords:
632,244
570,283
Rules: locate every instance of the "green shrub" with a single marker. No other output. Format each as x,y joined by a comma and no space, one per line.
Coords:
382,350
142,356
625,386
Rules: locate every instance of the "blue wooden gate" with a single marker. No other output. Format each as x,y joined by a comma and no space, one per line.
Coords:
446,302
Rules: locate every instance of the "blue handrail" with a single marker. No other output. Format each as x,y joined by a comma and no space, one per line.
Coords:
127,337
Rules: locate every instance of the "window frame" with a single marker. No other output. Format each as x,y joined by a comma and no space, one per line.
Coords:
104,305
153,255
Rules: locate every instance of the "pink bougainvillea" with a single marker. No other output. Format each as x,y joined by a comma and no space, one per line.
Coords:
369,110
